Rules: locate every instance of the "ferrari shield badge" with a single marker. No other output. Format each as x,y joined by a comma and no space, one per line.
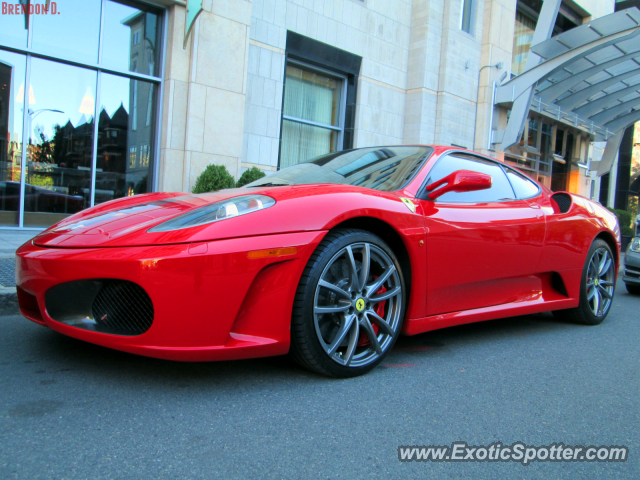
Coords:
410,205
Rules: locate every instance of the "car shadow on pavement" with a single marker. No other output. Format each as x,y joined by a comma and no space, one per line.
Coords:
57,354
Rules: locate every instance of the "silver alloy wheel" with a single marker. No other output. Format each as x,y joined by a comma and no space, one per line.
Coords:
351,288
600,282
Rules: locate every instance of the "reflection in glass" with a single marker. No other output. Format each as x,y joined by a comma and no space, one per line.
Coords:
124,152
72,33
12,77
500,187
386,169
131,37
13,29
523,187
60,143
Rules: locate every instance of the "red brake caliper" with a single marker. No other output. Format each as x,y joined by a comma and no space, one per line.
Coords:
380,311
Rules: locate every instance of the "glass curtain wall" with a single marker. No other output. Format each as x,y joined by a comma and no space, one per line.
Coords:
78,108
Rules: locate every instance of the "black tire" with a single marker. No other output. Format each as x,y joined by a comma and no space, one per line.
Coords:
583,313
313,335
633,289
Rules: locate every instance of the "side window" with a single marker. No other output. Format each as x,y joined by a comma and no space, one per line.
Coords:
500,188
523,186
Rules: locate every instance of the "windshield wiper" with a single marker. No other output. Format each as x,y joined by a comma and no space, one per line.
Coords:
270,185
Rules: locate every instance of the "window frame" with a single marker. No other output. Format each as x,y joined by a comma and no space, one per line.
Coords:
341,108
472,16
423,195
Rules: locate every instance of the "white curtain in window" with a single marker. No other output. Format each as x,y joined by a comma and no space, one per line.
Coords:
313,97
310,98
301,142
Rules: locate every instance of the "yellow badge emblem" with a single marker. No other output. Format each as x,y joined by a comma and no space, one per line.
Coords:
360,304
410,205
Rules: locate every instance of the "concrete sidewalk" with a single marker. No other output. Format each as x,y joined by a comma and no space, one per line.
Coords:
10,240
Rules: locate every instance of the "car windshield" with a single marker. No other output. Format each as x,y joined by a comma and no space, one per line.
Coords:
380,168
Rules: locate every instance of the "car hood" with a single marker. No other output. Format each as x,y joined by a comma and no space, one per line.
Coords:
126,222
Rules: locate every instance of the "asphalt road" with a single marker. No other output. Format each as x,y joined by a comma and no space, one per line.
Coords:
74,410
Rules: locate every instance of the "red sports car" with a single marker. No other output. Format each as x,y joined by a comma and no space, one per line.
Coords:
329,260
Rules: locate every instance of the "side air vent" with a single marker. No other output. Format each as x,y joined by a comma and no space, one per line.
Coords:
117,307
563,200
558,284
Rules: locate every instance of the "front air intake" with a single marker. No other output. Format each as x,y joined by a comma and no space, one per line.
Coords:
123,307
117,307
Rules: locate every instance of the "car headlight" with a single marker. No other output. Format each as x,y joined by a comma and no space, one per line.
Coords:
215,212
635,245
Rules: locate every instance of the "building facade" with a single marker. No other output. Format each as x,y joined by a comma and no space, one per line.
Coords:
266,83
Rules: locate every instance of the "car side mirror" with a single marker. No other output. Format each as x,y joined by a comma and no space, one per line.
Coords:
459,181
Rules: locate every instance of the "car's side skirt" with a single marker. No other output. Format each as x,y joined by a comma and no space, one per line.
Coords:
544,300
415,326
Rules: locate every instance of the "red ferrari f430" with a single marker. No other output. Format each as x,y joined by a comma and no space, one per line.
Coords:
329,260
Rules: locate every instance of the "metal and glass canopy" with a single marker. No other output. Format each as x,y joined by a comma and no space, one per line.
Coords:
588,77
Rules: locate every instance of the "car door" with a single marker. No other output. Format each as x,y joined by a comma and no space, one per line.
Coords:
483,247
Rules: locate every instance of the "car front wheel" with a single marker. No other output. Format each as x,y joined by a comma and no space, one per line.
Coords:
349,305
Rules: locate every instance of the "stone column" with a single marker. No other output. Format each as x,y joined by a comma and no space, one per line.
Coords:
497,46
443,73
425,44
204,94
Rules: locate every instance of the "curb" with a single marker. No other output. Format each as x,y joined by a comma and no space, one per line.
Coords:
9,304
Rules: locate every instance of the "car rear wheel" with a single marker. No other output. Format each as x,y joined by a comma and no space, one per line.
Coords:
349,305
633,289
596,288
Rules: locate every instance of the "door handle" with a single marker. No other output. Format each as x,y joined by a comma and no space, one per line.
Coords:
537,208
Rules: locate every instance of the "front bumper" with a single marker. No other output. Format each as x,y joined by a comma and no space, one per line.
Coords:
211,301
631,268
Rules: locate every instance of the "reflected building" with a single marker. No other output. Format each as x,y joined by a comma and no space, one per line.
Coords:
63,164
112,159
6,74
10,148
141,100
